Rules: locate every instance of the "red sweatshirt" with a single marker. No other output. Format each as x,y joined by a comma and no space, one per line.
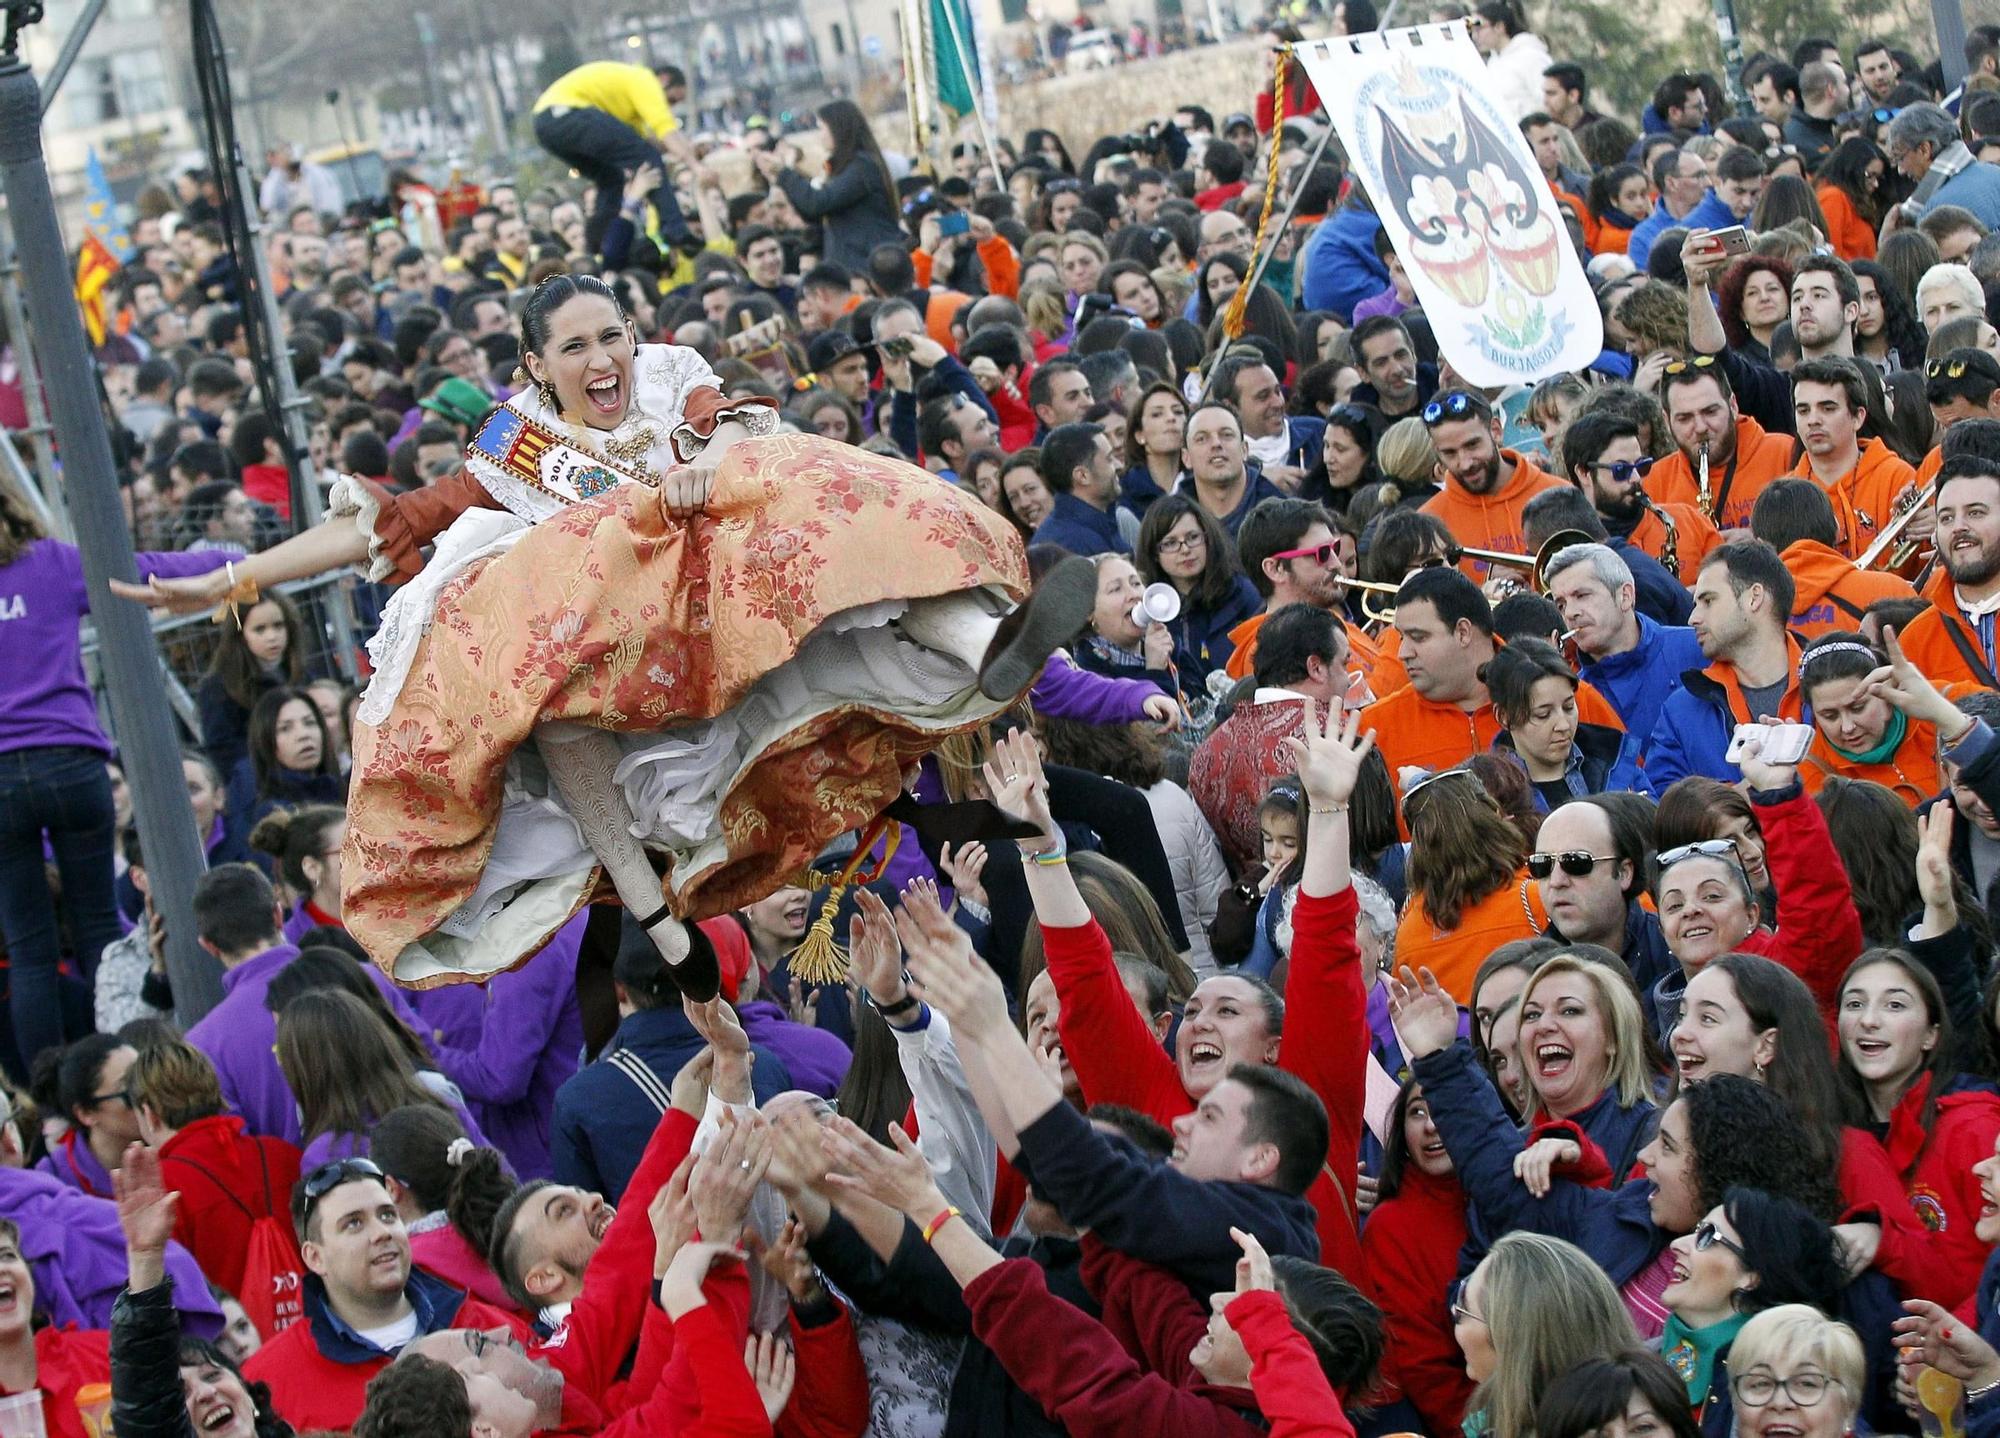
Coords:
1291,1388
1872,1190
67,1359
1817,930
1083,1378
226,1180
726,1403
1118,1060
1410,1247
1936,1170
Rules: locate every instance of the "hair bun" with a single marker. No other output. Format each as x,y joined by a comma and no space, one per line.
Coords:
271,832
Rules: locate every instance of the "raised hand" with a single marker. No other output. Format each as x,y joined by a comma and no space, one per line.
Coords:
964,868
690,1089
956,980
1329,756
145,1208
1425,1016
1253,1269
680,1290
897,1176
1759,775
1016,783
1931,1335
1936,879
772,1369
802,1004
671,1213
727,1175
873,950
1535,1165
1904,685
786,1260
797,1161
718,1025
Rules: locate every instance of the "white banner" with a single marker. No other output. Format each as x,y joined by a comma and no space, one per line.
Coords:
1463,200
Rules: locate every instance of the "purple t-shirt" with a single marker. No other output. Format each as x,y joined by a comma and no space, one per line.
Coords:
44,699
1384,303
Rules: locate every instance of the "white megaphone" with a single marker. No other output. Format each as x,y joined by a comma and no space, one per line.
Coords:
1160,604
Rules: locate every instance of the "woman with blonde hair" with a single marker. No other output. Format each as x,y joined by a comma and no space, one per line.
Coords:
1048,318
1656,318
1469,887
1408,464
1583,1045
1534,1308
1797,1372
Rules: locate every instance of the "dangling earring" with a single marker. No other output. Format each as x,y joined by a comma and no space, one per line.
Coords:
548,394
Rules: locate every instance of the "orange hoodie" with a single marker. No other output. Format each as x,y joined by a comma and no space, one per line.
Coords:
1490,521
1512,911
1912,771
1852,237
1411,730
1873,488
1832,592
1694,537
1362,649
1760,458
1929,644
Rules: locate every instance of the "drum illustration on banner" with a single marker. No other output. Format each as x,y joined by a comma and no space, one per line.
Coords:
1464,203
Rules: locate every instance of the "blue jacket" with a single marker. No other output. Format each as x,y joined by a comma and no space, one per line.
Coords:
1600,758
603,1120
1982,1419
1614,1226
1638,681
1137,490
1693,734
1151,1211
1305,436
1710,214
1341,268
1975,188
1255,491
1081,528
1201,636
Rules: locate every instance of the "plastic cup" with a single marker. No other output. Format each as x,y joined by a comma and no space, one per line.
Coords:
21,1416
1941,1404
93,1405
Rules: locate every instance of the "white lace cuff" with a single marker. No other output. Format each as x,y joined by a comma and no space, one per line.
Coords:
349,497
758,416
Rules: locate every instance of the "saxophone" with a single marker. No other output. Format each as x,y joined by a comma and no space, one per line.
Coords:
1704,496
1670,548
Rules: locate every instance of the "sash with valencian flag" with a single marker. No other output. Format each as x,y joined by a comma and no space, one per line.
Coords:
544,460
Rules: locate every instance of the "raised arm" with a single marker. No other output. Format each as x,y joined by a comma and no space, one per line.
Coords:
1818,928
1703,261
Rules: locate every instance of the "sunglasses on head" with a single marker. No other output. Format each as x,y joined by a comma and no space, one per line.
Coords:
1701,848
329,1176
1621,470
1575,862
1699,362
1946,369
1456,405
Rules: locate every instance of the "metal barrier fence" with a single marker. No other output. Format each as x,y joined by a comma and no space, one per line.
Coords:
187,643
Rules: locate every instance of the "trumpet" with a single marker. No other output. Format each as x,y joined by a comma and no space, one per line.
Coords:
1501,556
1907,509
1379,613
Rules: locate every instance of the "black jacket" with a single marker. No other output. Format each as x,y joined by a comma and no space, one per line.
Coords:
856,212
146,1397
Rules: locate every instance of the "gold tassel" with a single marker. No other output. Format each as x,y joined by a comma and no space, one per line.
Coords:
820,958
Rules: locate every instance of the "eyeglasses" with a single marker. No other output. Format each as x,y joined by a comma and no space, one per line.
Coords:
1882,114
1324,553
123,1095
1456,405
1574,862
1702,848
1184,544
1699,362
1707,1236
1754,1390
1459,1310
1622,470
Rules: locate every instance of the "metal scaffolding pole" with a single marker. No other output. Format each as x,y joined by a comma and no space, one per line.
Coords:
139,711
40,436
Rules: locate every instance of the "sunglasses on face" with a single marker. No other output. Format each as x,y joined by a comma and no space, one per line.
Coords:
1622,470
1707,1236
1574,862
1456,405
1324,553
1448,560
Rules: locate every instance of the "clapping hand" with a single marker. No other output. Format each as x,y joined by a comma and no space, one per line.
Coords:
897,1176
874,953
964,868
1329,756
772,1369
146,1214
1425,1016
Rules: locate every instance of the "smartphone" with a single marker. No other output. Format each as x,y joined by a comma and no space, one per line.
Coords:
1732,241
1779,743
954,222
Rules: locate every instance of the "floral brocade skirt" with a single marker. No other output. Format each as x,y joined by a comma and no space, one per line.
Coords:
720,642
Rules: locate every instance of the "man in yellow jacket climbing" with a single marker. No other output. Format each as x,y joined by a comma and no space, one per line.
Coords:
605,120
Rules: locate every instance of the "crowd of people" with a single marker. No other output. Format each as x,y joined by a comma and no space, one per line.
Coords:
1408,990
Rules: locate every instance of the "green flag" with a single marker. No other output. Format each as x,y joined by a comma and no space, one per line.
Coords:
957,72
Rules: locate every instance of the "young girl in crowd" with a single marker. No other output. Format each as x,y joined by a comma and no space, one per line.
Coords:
1469,891
291,761
1182,544
260,649
304,846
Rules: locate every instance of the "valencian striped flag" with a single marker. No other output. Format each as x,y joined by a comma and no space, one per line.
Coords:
95,267
106,247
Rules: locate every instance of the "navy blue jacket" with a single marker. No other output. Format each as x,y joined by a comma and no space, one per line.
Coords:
1153,1212
603,1120
1137,490
1081,528
1201,635
1644,950
1614,1226
1256,490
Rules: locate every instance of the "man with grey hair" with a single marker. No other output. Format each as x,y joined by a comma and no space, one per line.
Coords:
1924,145
1627,657
1945,293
